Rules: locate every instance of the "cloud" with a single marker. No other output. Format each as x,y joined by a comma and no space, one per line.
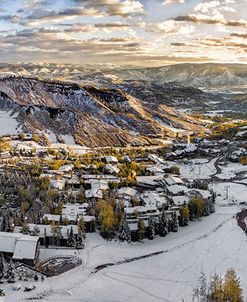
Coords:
124,8
40,16
209,20
239,35
93,28
170,27
53,41
30,4
173,2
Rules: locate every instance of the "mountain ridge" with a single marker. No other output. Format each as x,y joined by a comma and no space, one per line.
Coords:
93,116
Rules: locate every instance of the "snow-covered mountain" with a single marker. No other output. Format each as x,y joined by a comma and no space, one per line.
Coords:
93,116
195,75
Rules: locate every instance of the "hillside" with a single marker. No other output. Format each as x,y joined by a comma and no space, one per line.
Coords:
206,75
92,116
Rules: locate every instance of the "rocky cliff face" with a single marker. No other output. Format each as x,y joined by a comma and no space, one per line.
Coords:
93,116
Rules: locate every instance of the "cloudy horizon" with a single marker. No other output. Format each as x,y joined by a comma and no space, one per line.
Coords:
132,32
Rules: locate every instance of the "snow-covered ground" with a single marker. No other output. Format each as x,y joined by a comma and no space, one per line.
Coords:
8,122
198,169
211,245
231,170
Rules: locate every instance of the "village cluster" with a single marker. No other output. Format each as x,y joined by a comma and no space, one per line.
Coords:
51,197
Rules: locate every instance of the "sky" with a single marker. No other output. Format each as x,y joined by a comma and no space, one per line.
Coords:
129,32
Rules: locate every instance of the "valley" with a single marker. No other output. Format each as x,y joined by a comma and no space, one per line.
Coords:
125,187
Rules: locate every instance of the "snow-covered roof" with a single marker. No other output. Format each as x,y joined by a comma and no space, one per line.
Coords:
179,152
58,183
26,247
155,169
190,148
66,168
149,180
175,189
112,169
110,159
140,209
127,191
180,200
93,193
99,185
46,230
21,246
173,180
204,193
156,159
71,211
153,199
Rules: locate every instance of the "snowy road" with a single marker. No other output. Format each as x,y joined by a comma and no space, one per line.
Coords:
212,245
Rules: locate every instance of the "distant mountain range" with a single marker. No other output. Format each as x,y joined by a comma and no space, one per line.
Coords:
196,75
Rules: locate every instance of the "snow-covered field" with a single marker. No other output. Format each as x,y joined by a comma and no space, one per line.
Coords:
196,168
211,245
231,170
8,122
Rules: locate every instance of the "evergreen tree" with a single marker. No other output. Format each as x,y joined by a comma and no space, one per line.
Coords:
79,242
25,228
151,229
124,231
201,292
174,222
3,224
1,267
206,208
211,206
163,225
36,278
36,231
192,209
71,238
141,230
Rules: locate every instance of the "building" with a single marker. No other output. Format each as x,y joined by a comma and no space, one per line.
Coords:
154,199
20,247
93,193
5,155
58,184
112,169
99,185
73,211
143,213
66,168
110,159
127,193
